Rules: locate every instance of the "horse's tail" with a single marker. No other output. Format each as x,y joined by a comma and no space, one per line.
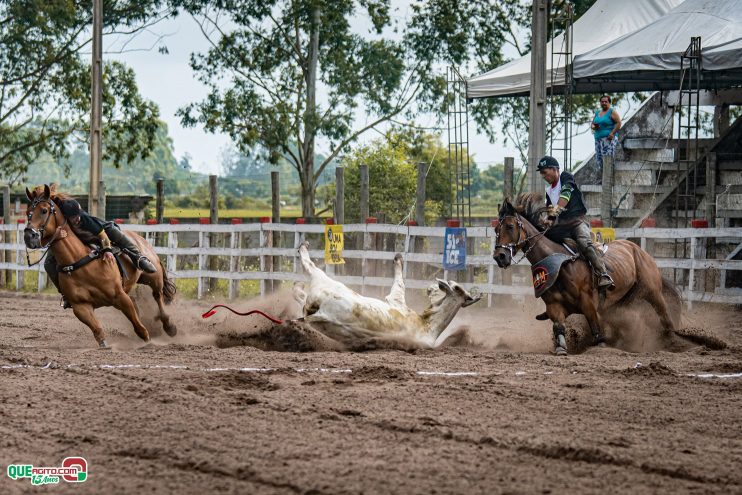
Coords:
168,287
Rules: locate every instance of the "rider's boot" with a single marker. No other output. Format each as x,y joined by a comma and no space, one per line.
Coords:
604,281
560,341
124,242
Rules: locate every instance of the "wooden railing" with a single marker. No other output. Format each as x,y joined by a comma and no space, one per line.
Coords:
267,252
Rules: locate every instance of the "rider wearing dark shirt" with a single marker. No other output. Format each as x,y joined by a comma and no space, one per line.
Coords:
107,233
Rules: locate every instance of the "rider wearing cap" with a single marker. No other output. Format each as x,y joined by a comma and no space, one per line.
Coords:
567,215
106,232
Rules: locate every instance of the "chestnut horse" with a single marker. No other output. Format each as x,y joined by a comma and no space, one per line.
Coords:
99,282
634,272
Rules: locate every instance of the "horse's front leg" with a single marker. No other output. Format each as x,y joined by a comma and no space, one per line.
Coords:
558,315
84,313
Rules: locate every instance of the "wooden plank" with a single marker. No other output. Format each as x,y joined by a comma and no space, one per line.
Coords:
662,233
709,297
698,264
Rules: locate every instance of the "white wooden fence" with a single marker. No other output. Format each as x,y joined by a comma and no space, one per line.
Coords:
247,252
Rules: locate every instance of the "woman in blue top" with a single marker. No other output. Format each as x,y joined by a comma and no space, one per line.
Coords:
606,124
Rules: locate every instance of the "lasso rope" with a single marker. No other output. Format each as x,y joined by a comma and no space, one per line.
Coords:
213,309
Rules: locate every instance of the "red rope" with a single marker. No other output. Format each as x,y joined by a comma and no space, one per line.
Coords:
261,313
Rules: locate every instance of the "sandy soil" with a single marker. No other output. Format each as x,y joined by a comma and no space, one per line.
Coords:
204,413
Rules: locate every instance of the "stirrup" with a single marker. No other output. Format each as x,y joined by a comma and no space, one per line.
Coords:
605,280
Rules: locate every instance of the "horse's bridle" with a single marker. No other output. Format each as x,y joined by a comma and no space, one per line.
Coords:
52,211
521,242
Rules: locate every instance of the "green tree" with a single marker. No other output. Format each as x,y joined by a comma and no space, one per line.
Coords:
268,60
392,166
45,84
392,181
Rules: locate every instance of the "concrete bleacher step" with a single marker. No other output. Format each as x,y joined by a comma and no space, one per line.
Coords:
635,189
634,166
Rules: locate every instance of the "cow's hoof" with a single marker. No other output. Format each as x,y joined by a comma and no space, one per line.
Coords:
304,245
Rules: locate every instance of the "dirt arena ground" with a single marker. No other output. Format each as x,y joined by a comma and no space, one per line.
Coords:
502,415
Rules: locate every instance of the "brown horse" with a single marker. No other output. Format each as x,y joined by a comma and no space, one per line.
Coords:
575,291
97,283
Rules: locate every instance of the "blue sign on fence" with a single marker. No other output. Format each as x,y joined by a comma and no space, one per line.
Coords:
454,250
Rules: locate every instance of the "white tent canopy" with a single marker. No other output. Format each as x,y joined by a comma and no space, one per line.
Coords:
604,22
650,57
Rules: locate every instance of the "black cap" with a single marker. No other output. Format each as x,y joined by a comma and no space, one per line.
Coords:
70,208
547,162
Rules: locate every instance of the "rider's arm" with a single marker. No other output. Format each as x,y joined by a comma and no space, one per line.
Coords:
564,196
105,242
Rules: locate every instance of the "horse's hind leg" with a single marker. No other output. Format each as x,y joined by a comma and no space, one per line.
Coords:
123,303
84,313
655,298
157,284
167,325
587,305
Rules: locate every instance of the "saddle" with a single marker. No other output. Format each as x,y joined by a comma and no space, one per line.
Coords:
94,254
571,246
546,272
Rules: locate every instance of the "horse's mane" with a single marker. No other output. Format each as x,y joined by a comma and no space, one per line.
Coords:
530,205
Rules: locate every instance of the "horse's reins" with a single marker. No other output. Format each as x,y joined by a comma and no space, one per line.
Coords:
52,211
517,245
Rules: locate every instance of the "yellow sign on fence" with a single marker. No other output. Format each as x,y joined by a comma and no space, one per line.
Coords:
334,245
603,235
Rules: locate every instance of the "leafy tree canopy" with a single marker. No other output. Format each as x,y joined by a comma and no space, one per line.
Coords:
392,167
45,82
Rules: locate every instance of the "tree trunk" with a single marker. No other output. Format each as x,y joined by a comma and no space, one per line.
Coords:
310,117
307,198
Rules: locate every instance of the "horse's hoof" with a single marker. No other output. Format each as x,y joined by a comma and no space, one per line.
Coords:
170,329
103,345
560,351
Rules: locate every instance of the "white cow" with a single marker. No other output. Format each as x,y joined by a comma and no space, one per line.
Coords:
342,314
